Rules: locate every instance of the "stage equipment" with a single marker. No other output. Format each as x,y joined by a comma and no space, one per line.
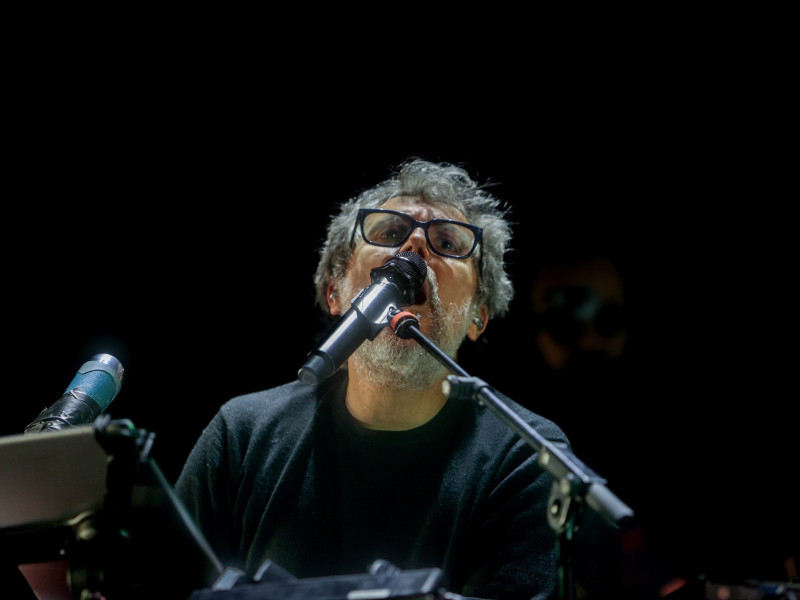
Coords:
382,580
87,512
575,486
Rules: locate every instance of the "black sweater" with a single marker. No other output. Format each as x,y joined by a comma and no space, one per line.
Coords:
288,475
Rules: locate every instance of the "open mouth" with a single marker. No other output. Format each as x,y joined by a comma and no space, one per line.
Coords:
422,294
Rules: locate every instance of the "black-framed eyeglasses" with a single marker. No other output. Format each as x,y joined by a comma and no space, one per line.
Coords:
389,228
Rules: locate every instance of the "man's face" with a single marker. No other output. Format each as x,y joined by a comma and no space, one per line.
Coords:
444,306
457,278
580,307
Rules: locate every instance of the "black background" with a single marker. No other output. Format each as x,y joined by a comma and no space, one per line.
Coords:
172,218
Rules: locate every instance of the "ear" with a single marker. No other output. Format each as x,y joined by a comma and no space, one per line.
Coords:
474,332
334,301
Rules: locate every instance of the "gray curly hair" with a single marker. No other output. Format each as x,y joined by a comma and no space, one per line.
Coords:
441,183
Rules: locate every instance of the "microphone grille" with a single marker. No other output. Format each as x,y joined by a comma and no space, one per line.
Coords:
412,265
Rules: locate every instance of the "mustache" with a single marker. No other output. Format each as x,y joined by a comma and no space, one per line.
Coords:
432,293
433,287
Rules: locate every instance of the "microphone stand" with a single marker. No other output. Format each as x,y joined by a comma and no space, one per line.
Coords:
574,485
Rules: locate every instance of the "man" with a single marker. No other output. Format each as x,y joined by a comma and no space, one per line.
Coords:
579,307
375,463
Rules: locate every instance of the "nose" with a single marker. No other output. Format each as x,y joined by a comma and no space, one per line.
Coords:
417,242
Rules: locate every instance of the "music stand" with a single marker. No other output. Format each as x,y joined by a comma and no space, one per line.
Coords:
90,499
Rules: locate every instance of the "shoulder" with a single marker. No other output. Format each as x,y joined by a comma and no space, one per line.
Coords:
281,409
290,401
275,398
494,421
257,423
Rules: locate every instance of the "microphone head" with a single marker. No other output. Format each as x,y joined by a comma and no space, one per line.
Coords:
100,377
94,386
412,264
407,270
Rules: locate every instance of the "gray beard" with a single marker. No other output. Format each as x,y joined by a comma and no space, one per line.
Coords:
389,360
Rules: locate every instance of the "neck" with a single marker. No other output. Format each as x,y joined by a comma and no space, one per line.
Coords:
391,408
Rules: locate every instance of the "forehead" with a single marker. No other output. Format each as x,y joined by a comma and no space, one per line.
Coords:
423,210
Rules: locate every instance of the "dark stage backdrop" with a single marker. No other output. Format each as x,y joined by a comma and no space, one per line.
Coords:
187,252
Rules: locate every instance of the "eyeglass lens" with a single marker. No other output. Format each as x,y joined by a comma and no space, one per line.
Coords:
388,229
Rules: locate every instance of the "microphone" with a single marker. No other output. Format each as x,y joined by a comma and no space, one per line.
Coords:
395,283
94,386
